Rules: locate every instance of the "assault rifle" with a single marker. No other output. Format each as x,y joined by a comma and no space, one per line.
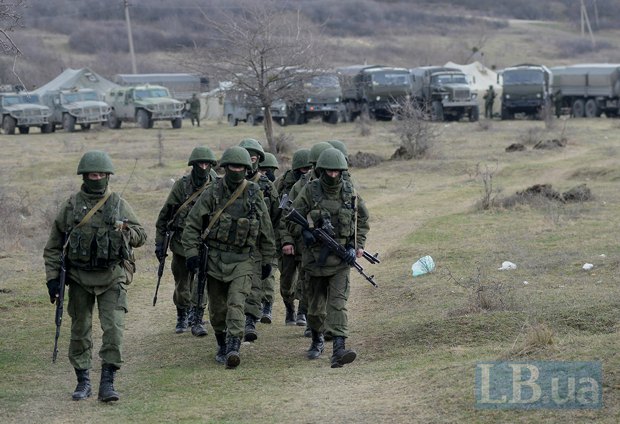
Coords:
203,255
61,296
162,261
325,235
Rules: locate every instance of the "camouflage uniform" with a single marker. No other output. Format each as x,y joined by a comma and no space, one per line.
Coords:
194,110
95,254
489,99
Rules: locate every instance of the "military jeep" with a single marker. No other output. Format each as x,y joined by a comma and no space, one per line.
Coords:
75,106
22,111
143,104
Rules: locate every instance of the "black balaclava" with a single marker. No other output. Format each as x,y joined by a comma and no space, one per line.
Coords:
270,174
95,186
234,178
329,182
199,175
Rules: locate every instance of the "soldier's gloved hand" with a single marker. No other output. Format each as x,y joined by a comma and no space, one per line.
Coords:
350,256
192,264
308,237
159,251
53,288
265,271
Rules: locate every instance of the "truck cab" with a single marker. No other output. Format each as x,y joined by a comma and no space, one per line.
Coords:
79,106
23,110
144,104
525,89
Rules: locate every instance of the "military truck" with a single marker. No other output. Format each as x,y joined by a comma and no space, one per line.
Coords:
445,93
373,90
238,107
143,104
23,111
322,97
525,89
589,90
81,106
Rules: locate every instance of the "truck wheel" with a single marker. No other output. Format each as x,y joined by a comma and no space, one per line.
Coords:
113,121
333,117
85,127
365,113
47,128
578,109
591,109
474,114
283,122
232,121
68,123
437,111
506,114
142,118
24,130
8,125
177,123
250,120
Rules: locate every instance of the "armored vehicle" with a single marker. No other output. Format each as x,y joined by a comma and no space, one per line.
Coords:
143,104
525,89
445,93
374,91
75,106
239,107
23,110
589,90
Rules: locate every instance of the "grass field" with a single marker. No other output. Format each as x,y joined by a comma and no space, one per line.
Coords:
417,339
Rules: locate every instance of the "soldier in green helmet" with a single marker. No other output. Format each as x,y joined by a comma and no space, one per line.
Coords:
334,199
259,303
194,109
290,258
269,166
181,198
100,230
231,218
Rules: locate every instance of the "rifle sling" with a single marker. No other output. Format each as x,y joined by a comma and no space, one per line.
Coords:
217,214
188,201
88,216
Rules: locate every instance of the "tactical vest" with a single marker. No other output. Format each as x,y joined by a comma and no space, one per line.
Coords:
96,245
237,228
340,212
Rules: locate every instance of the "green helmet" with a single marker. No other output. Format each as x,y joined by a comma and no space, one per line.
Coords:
300,159
270,161
236,156
315,151
95,161
253,145
332,158
337,144
201,154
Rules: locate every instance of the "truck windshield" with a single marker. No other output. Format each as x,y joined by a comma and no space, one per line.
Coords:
151,92
390,78
17,99
523,76
79,96
449,79
324,81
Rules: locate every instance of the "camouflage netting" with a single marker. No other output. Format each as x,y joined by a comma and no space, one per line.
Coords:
364,160
539,192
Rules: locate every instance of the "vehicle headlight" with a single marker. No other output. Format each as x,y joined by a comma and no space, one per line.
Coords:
151,108
337,99
75,112
446,97
282,108
474,96
309,100
378,98
17,113
507,96
538,95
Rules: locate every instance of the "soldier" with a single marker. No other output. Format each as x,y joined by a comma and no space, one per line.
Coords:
194,109
182,197
557,102
330,197
289,260
231,218
269,166
489,99
101,231
262,287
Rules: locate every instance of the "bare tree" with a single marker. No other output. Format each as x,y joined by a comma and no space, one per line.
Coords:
10,18
412,127
261,48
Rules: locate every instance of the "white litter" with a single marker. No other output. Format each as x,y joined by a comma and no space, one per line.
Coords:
507,265
422,266
587,266
526,283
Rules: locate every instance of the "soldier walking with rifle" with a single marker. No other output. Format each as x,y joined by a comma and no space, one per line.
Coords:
169,231
335,208
90,248
228,228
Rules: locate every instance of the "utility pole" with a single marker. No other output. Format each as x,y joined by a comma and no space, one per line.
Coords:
134,68
585,21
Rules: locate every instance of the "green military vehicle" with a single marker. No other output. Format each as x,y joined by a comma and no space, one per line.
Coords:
71,107
445,93
525,89
23,111
143,104
373,90
322,97
589,90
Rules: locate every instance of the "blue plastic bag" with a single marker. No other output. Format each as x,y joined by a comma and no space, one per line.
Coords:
423,266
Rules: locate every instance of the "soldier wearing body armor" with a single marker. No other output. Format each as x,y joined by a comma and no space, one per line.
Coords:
289,260
182,197
258,304
269,166
100,230
330,200
231,218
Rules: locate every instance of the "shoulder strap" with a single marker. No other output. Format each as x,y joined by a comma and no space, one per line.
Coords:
189,200
217,214
90,214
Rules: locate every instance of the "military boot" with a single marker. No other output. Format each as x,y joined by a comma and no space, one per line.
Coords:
250,328
266,318
317,346
83,389
198,328
232,352
181,321
106,385
341,355
289,319
220,356
301,317
308,332
190,316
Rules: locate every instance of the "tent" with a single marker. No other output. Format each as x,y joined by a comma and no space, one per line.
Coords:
480,78
78,78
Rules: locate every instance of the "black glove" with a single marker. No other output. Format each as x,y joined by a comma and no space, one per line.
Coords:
53,288
159,251
192,264
349,257
265,271
308,237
